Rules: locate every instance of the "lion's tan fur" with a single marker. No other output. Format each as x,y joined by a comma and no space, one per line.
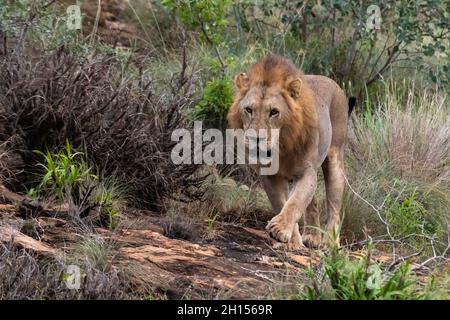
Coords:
312,119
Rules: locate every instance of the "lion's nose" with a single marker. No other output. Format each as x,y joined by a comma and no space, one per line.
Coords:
263,148
253,140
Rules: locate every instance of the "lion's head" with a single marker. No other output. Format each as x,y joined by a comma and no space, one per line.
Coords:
272,95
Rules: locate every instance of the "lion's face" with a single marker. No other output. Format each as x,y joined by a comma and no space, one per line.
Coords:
267,109
273,96
263,110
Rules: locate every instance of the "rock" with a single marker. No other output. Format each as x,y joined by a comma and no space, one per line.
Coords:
7,208
303,260
8,234
241,263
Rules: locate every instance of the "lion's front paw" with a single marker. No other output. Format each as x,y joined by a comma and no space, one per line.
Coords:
312,240
280,229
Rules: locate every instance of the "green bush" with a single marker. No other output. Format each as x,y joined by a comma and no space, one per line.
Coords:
217,98
346,279
208,15
409,216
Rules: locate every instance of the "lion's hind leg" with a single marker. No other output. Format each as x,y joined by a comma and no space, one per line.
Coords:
312,234
333,170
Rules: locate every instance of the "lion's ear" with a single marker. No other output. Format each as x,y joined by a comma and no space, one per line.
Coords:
241,81
294,86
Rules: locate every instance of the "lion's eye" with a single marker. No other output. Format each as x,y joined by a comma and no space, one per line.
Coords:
249,110
274,112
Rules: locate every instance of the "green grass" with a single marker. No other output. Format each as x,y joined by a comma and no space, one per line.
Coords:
67,174
94,252
342,278
62,172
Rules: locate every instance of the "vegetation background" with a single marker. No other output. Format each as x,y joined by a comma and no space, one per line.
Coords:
86,117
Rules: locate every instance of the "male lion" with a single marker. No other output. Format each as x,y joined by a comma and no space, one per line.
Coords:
311,113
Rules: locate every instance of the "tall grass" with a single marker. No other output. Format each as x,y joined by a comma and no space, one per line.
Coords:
407,131
399,162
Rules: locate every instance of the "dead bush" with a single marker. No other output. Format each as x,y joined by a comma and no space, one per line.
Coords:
122,125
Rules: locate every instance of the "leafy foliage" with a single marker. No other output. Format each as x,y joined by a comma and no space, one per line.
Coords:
208,15
408,216
217,98
336,38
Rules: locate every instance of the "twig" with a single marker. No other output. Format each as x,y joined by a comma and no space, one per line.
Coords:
432,240
216,50
97,19
435,257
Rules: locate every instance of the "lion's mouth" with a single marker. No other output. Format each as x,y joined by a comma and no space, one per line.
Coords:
259,155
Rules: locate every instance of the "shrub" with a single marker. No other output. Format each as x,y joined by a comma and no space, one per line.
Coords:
210,16
408,216
122,123
217,98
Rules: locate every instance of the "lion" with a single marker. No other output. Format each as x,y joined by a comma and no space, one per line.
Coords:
312,114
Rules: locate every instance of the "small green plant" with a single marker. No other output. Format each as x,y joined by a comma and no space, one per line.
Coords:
217,98
94,252
408,216
212,222
109,197
62,172
346,279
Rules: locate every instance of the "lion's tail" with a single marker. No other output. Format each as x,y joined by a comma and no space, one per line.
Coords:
351,104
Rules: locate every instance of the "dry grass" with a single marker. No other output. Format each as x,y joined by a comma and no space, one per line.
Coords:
399,158
24,275
408,134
